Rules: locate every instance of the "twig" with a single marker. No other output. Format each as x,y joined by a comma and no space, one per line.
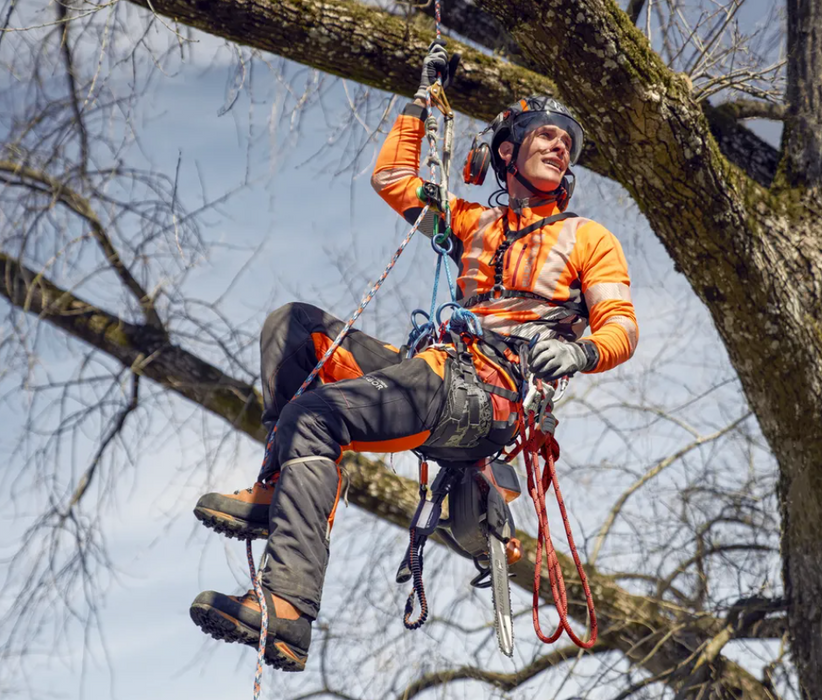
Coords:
650,474
80,206
88,476
503,681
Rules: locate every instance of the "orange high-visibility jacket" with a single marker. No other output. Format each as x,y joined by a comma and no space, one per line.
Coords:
574,269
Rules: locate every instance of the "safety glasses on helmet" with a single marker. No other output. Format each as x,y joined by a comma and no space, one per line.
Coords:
528,121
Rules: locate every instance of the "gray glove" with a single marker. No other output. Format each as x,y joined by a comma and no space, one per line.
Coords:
436,65
555,358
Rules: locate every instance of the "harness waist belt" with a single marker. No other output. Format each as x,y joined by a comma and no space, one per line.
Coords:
496,294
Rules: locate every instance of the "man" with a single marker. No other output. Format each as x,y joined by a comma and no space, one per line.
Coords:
526,270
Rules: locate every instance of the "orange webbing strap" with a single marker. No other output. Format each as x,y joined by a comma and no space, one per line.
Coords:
535,442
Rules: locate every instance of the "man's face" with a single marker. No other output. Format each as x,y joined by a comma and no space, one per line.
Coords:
543,157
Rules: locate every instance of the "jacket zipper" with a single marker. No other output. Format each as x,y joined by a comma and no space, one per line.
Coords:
516,267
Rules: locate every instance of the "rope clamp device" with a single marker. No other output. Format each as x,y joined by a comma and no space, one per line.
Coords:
430,193
439,99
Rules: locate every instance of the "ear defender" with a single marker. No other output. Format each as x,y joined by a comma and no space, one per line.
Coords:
566,190
477,162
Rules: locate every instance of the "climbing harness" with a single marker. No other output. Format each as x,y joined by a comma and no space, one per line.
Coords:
469,530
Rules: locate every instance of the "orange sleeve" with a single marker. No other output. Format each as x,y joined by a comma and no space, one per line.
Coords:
606,287
396,175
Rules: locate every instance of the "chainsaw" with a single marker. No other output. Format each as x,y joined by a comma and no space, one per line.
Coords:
479,527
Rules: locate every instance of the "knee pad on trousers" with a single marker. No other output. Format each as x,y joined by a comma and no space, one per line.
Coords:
283,316
304,430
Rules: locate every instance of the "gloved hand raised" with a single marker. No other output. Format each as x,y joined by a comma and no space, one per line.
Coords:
436,65
555,358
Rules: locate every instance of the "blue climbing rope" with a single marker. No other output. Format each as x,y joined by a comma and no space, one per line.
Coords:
435,328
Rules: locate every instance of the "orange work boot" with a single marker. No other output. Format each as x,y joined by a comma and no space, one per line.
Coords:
232,619
242,514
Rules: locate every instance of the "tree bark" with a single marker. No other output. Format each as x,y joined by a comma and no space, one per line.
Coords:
803,133
630,623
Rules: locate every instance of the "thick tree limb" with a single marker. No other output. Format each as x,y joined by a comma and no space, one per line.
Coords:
758,160
142,349
645,630
754,109
357,42
634,10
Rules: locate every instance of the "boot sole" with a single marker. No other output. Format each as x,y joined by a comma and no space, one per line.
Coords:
278,654
229,526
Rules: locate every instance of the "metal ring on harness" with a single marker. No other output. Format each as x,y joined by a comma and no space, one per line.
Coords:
439,248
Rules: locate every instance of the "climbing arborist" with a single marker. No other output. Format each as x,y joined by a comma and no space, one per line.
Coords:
526,269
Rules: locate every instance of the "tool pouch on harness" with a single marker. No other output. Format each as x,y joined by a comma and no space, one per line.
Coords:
467,416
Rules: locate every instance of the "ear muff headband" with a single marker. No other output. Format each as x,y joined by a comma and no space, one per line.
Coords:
477,162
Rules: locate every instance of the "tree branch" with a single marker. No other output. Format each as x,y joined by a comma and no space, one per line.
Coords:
358,42
803,142
62,17
634,10
754,109
650,474
116,429
371,46
33,179
142,349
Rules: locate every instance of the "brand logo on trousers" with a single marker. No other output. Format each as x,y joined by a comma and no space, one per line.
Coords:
378,384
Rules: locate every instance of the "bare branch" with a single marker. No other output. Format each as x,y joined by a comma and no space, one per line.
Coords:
62,16
116,429
754,109
650,474
81,206
503,681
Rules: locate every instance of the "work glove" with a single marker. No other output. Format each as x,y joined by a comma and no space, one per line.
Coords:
555,358
436,65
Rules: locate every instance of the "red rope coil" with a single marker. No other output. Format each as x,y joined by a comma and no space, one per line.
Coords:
535,443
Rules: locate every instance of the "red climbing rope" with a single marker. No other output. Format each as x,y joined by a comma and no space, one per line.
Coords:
533,444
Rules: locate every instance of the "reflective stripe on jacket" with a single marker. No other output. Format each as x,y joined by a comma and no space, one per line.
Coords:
576,264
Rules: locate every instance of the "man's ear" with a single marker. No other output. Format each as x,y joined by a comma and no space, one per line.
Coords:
506,151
